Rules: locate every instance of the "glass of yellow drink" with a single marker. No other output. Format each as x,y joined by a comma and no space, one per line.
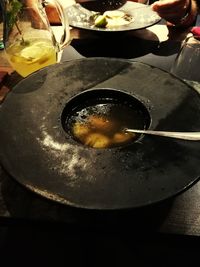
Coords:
29,40
32,55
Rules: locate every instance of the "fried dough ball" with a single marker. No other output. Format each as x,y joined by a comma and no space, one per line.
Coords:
97,140
80,130
100,123
123,137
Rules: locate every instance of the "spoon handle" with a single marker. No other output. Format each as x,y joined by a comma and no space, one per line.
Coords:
193,136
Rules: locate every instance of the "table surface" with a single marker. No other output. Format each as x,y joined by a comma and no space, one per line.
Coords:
156,45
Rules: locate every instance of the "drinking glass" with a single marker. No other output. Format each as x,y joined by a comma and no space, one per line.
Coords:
29,40
187,62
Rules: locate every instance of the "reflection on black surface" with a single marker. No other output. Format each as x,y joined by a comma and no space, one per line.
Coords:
23,204
116,45
168,48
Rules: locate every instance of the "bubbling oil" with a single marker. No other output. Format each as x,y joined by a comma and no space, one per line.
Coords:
101,125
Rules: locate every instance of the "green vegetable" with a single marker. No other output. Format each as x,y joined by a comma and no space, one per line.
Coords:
13,8
100,21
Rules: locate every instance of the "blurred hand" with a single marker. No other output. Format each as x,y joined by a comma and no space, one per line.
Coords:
50,9
52,14
171,10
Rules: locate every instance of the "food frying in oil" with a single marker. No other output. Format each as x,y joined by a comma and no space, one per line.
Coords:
100,132
103,124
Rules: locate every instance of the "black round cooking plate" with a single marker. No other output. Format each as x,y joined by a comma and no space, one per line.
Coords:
37,152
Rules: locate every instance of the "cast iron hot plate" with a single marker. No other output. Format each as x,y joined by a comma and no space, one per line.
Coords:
40,154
